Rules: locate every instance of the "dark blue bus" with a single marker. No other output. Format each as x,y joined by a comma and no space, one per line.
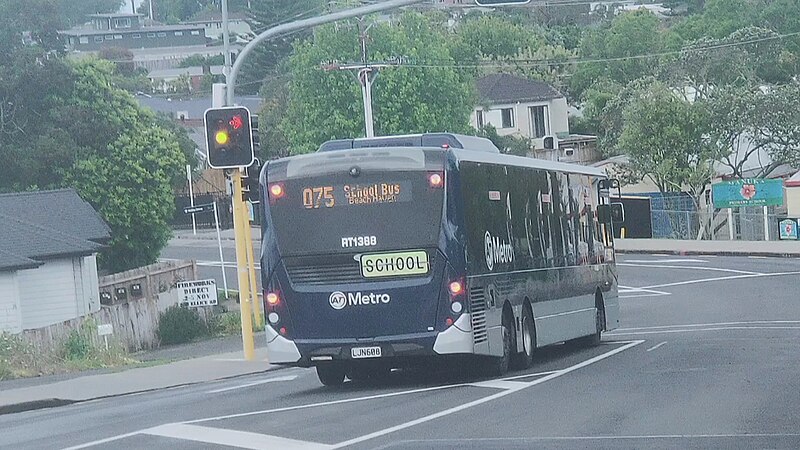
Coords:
383,253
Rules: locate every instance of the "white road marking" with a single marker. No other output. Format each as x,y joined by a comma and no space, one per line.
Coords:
664,261
709,280
635,289
642,295
714,324
529,375
480,401
254,383
757,257
695,330
443,443
715,269
500,384
232,438
655,347
639,292
171,428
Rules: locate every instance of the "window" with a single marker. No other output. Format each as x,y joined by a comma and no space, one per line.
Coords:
136,36
109,37
98,38
479,121
179,33
162,34
83,39
508,117
122,23
151,35
117,36
539,121
195,33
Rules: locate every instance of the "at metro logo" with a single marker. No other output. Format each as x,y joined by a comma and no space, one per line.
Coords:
339,300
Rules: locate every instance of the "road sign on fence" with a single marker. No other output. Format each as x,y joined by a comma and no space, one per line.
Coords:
748,192
197,293
788,229
209,207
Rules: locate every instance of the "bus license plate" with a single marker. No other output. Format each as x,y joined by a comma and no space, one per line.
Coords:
394,264
365,352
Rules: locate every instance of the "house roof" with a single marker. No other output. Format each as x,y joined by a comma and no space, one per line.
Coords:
84,31
214,16
194,107
504,88
42,225
114,15
190,71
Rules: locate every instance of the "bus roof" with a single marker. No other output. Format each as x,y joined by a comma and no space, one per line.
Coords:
523,161
432,140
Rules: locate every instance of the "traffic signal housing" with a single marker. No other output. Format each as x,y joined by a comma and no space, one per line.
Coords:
229,136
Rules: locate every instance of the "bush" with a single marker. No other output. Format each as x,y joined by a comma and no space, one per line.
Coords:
178,325
77,345
226,324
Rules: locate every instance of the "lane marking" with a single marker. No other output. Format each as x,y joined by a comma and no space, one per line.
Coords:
642,295
500,384
757,257
647,261
522,440
655,347
103,441
694,330
713,324
529,375
637,289
468,405
734,277
254,383
231,438
714,269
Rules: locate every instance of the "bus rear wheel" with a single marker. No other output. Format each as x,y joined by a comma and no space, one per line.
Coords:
524,359
594,339
331,374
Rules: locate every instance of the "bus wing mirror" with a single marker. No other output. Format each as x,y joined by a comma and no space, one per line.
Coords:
617,213
604,213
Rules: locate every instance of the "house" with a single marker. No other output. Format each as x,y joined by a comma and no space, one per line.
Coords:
127,30
164,79
48,265
532,109
211,21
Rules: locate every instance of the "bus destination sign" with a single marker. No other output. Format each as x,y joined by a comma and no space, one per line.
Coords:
316,197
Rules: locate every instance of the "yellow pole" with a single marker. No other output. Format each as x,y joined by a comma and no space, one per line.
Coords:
248,343
251,267
622,233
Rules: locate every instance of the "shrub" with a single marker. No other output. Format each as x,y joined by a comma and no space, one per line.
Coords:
226,324
178,325
77,345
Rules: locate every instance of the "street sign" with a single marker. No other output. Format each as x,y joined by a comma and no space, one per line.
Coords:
209,207
748,192
197,293
788,229
105,329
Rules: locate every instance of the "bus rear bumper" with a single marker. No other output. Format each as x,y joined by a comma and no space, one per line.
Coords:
456,339
279,349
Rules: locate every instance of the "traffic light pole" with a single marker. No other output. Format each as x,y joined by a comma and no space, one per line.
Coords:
240,223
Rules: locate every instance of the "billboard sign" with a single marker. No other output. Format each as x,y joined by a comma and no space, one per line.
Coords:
748,192
197,293
788,229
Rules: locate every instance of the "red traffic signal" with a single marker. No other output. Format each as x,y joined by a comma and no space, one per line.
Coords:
229,137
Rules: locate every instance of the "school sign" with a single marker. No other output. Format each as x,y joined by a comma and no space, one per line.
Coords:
747,192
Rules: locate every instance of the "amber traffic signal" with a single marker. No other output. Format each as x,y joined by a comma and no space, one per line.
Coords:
229,136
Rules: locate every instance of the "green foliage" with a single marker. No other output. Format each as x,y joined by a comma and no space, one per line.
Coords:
77,345
513,145
201,61
178,325
17,357
325,105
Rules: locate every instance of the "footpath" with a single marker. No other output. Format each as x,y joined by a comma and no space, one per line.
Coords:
165,368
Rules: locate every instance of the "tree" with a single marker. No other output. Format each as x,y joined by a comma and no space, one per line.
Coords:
407,99
664,137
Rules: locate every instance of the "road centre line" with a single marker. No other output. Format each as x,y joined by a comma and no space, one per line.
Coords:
549,376
642,295
254,383
464,406
734,277
714,324
655,347
717,269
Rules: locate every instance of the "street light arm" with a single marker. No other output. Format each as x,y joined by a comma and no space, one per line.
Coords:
301,24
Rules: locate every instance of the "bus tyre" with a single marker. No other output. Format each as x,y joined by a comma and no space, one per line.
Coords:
594,339
331,374
499,365
524,359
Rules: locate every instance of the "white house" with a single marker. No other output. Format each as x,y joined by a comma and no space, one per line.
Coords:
533,109
212,22
48,265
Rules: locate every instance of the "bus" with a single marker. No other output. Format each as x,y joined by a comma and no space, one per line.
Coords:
382,253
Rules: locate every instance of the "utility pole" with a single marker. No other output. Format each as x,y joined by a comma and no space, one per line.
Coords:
366,73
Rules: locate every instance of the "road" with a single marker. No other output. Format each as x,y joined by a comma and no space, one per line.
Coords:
707,358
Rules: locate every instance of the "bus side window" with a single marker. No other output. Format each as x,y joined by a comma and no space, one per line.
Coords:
567,226
556,224
580,219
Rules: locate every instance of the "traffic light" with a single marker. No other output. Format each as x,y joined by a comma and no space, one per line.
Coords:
250,185
501,2
229,136
256,136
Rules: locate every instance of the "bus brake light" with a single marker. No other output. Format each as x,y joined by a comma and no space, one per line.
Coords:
276,191
456,288
436,180
273,299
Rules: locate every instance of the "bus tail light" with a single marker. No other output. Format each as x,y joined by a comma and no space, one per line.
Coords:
273,299
436,179
456,288
277,310
276,192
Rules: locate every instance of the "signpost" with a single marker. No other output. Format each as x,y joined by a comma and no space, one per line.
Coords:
212,207
197,293
748,192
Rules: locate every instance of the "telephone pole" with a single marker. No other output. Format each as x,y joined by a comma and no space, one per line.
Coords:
366,72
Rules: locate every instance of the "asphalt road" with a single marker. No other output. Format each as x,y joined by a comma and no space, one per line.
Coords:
206,253
707,358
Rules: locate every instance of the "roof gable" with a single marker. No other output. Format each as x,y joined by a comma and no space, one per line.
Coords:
504,88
